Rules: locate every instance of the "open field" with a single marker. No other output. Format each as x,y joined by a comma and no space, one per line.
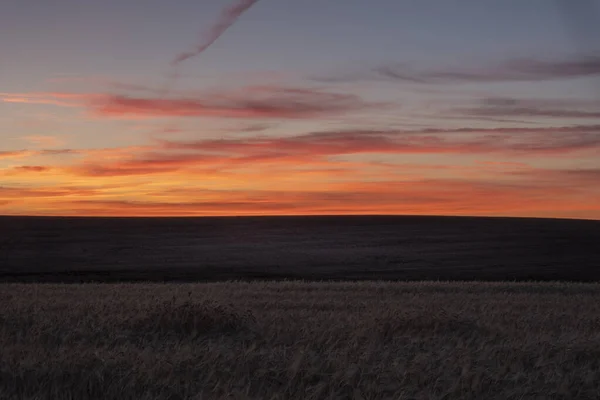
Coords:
311,248
300,340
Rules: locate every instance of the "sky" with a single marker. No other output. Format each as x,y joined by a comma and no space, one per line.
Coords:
283,107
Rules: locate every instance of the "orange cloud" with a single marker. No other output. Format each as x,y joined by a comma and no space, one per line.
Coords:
12,193
444,197
33,153
49,98
15,154
31,168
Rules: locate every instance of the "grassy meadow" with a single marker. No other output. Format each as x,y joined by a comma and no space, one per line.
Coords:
300,340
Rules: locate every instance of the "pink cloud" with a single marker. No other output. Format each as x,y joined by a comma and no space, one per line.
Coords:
251,103
272,103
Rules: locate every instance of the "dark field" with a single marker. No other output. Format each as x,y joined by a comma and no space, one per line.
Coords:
314,248
300,341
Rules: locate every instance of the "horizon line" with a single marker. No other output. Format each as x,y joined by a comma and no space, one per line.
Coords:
289,216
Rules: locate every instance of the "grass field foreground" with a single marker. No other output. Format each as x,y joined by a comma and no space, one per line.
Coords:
300,340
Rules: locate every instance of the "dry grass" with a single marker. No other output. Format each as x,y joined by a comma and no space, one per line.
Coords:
295,340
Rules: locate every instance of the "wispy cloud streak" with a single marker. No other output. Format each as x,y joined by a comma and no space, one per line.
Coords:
517,70
226,20
523,108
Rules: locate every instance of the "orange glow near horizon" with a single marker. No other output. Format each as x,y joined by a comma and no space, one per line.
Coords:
527,171
148,181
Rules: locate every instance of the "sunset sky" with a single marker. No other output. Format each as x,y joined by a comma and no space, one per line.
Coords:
444,107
